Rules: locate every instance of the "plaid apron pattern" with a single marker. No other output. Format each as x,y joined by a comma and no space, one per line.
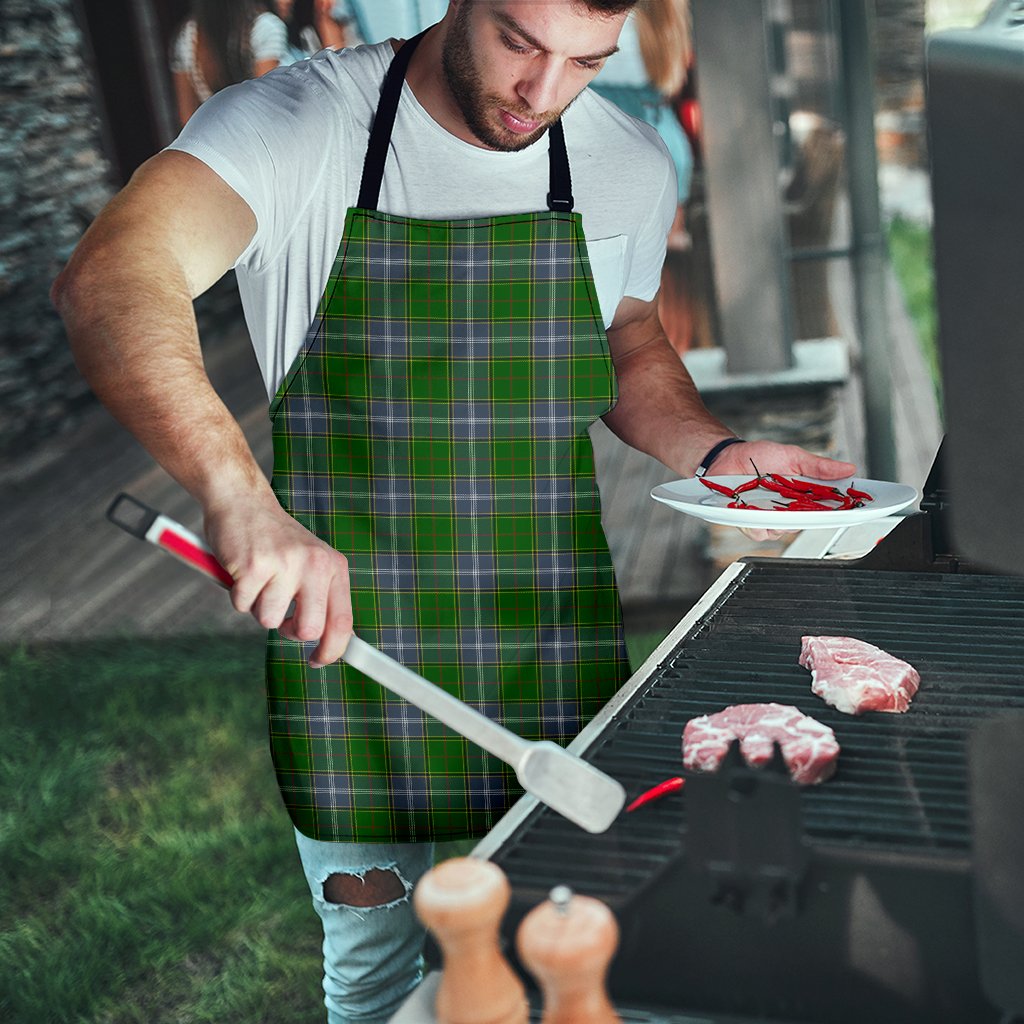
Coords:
434,430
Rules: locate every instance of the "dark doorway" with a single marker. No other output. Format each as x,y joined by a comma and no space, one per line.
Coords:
127,43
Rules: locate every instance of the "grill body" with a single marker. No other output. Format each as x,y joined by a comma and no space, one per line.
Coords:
842,902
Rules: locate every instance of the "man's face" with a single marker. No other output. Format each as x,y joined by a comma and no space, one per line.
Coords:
513,66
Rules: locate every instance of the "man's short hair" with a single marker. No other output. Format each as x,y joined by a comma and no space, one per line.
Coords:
609,6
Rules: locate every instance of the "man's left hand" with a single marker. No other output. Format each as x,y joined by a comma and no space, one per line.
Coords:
772,457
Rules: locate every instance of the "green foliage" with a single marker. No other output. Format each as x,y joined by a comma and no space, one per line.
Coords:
640,647
910,249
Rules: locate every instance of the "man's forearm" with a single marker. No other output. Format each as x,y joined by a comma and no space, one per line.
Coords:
660,411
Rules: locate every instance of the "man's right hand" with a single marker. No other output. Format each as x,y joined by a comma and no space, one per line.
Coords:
276,561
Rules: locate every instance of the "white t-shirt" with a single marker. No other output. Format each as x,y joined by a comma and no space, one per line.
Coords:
292,144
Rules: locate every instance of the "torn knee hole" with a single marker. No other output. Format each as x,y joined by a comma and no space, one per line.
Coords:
373,889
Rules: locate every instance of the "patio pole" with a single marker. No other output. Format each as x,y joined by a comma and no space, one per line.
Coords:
867,237
736,67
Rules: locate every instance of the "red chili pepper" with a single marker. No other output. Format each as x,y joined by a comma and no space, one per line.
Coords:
817,490
749,485
787,492
793,485
656,793
807,505
770,484
809,487
728,492
862,495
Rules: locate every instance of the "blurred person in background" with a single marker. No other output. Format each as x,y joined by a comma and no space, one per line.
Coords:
645,78
647,75
221,43
373,21
314,25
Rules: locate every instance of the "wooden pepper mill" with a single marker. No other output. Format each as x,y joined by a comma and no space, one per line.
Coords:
567,943
462,902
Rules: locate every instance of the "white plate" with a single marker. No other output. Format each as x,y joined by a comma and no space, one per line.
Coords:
693,498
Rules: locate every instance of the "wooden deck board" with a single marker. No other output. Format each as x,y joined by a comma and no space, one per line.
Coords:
71,574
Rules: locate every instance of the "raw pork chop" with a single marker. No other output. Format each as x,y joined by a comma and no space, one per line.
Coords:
809,748
855,677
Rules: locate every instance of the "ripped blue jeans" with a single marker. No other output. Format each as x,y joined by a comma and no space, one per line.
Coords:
373,955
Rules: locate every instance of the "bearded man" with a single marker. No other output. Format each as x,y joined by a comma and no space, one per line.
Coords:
448,253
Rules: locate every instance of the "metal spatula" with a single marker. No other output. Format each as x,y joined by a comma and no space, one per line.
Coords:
568,785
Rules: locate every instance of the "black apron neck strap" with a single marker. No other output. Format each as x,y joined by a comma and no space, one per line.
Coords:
560,198
560,194
383,122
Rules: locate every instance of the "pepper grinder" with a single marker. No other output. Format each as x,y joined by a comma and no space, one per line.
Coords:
462,901
567,943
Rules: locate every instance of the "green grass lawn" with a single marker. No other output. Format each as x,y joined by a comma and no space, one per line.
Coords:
147,867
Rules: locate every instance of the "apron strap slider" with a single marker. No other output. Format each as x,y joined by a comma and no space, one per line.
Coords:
559,204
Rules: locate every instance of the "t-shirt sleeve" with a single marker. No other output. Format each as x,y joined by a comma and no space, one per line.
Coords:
652,236
269,139
269,38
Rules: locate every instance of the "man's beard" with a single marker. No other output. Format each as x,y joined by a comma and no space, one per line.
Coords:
464,83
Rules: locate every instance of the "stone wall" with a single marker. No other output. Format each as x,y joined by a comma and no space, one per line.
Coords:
899,53
899,81
53,180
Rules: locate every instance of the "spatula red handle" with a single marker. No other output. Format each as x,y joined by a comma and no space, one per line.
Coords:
147,524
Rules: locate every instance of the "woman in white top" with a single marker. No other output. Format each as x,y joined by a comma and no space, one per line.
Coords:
224,42
312,26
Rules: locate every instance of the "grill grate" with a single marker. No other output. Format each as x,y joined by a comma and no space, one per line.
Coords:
901,786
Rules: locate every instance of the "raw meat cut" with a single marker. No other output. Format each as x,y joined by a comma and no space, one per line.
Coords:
809,748
855,677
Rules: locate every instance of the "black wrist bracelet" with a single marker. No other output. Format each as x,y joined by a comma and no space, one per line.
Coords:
705,463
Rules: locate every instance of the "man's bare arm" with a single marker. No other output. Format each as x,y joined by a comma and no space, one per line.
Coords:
126,299
659,410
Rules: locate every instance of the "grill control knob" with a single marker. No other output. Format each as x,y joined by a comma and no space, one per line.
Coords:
462,902
567,943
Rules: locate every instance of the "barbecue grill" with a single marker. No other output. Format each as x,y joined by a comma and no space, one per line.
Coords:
893,892
746,897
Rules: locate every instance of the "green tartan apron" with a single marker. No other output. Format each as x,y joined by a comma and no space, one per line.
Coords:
434,430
